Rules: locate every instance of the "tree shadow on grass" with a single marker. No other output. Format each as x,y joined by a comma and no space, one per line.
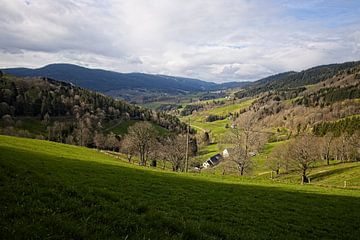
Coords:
45,195
326,173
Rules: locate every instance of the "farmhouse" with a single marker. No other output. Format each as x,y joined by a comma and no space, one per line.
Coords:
213,161
226,153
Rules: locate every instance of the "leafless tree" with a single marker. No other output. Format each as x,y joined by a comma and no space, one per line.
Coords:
245,141
175,150
112,142
99,140
277,159
156,153
344,148
141,137
355,144
127,147
302,154
326,145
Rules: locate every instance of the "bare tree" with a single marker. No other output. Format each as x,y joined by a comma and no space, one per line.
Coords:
245,140
155,153
277,160
127,147
344,148
355,144
174,150
140,137
99,140
302,154
112,142
326,146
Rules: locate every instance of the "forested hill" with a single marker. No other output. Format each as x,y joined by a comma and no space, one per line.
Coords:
290,80
67,111
112,82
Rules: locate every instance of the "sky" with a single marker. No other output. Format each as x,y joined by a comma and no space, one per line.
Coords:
213,40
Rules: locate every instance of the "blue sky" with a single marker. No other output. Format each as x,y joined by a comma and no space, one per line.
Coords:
218,40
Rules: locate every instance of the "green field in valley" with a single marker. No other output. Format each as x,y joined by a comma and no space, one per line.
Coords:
216,129
56,191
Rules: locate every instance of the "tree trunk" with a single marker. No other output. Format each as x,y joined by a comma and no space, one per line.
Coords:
304,179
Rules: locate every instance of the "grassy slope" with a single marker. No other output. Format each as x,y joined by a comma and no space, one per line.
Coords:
333,175
260,159
218,127
51,190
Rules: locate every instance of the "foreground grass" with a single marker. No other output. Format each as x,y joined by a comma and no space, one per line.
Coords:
51,190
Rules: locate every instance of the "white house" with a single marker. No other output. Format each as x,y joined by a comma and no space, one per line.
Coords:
225,153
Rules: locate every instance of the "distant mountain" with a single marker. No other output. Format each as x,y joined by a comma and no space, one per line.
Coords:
288,80
114,83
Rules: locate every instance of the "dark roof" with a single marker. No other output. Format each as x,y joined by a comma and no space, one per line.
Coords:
215,159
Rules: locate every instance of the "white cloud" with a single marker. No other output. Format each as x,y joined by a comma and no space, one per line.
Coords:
220,40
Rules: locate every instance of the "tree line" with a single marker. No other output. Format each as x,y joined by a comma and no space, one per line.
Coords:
305,151
299,154
348,125
152,149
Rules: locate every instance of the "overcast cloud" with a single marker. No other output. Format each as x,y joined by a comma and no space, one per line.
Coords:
219,40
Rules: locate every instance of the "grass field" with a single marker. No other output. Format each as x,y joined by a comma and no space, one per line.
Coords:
56,191
333,175
217,128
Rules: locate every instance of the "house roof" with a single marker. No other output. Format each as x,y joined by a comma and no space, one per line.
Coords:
215,159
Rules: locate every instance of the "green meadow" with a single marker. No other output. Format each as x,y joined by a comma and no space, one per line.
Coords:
55,191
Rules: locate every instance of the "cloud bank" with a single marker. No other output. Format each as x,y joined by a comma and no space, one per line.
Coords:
219,40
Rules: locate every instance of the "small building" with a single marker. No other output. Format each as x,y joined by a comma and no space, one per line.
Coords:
230,151
225,153
213,161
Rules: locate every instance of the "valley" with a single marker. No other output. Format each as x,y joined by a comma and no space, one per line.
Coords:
80,164
180,120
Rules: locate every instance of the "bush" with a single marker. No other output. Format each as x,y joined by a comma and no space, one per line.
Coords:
212,118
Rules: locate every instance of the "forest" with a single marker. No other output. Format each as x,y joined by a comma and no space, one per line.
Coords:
70,114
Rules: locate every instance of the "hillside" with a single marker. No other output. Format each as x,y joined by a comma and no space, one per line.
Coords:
289,80
118,84
327,110
48,109
52,190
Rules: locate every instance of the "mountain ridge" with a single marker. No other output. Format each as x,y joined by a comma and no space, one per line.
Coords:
106,81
